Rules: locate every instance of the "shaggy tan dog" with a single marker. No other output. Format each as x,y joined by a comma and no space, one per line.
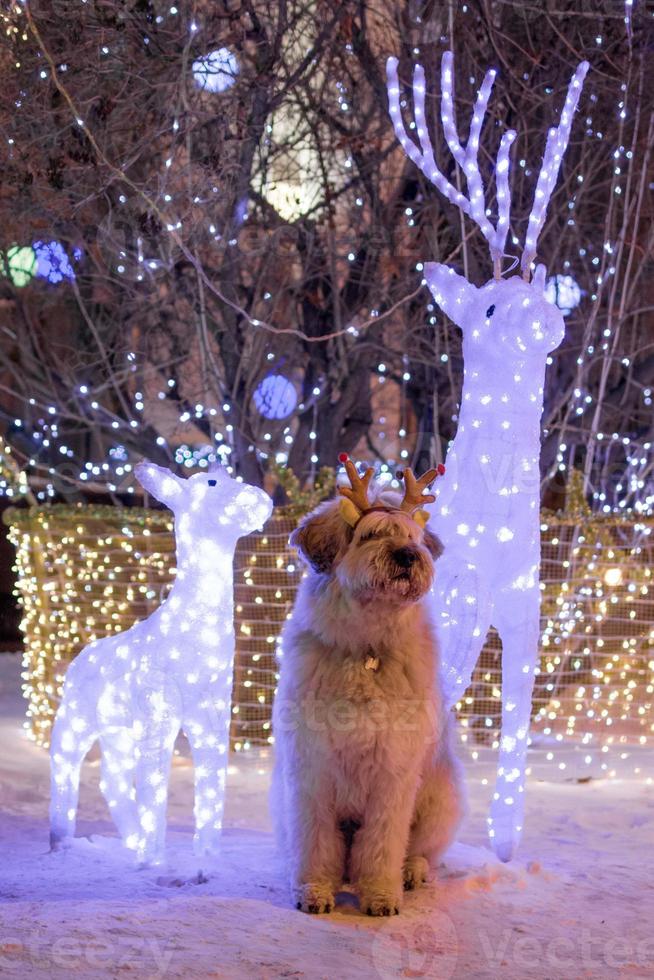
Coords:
366,788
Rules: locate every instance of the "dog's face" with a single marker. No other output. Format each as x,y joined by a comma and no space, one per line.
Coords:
387,556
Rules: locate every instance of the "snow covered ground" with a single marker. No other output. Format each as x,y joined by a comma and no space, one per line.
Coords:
578,902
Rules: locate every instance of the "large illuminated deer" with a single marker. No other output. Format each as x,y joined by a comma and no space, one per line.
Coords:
487,513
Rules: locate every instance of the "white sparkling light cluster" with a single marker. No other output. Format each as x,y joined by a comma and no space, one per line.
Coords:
487,513
136,690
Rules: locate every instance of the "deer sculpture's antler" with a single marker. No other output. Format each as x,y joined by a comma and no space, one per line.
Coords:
557,141
467,158
475,204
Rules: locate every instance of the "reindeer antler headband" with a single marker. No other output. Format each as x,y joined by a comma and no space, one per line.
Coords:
356,505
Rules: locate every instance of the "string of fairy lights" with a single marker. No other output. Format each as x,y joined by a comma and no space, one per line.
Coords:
85,572
597,669
41,426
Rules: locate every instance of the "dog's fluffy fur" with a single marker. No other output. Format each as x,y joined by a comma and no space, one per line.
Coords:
366,788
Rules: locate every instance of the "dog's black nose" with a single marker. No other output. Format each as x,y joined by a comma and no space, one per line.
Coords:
405,557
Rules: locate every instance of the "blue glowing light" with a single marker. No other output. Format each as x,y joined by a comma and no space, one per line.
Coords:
275,397
216,71
52,262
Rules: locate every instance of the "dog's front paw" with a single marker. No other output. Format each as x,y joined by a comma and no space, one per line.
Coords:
380,900
314,897
416,869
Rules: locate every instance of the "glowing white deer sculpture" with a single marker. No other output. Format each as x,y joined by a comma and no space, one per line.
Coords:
134,691
487,514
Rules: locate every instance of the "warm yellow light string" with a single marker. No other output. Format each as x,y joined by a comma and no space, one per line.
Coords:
84,572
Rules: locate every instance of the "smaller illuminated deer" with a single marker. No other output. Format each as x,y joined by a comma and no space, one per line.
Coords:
487,513
134,691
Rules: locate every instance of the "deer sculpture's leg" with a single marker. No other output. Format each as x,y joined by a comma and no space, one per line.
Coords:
117,782
72,737
464,612
153,756
208,735
519,630
210,770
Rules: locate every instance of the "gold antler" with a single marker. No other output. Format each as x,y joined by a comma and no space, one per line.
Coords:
357,493
413,490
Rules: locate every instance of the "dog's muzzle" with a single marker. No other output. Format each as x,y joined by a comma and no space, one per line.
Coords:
405,557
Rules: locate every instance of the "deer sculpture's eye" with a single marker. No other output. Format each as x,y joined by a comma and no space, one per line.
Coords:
212,483
490,310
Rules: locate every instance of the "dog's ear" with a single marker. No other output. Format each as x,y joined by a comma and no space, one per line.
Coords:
321,536
432,543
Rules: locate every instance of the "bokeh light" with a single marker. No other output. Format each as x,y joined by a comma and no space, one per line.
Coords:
216,71
564,292
275,397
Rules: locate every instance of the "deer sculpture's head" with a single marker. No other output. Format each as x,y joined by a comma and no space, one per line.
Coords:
207,506
530,325
510,317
